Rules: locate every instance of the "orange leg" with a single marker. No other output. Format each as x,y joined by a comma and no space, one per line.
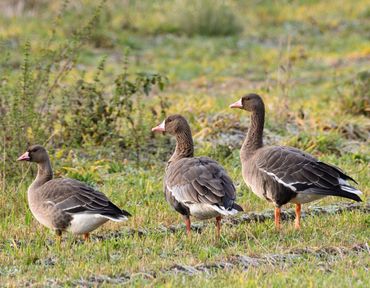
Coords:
188,226
297,222
277,218
86,236
218,226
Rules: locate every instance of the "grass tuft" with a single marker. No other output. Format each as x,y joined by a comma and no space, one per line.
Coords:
206,18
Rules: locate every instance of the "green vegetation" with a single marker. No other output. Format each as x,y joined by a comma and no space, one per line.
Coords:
89,79
207,18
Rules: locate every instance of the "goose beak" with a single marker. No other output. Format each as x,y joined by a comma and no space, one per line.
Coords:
24,157
237,104
159,128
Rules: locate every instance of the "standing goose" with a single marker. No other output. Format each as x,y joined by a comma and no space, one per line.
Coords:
66,204
285,174
195,186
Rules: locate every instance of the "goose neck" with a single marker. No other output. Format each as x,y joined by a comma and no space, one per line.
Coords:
44,174
184,146
254,138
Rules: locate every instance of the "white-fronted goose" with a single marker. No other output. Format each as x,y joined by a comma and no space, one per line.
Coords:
285,174
195,186
66,204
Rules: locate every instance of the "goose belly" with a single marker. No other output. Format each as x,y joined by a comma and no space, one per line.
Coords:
202,211
303,198
85,223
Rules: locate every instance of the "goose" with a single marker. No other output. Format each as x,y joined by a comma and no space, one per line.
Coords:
65,204
284,175
195,186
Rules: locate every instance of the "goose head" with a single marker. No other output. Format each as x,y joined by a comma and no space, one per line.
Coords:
249,102
173,125
35,153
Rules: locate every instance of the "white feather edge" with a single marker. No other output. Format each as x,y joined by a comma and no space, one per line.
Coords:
281,181
115,219
118,219
223,211
97,215
343,184
346,187
220,209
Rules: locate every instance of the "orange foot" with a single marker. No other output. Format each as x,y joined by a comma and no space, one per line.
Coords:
277,218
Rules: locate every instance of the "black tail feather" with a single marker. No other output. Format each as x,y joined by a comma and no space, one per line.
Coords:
339,171
124,212
334,192
118,211
237,207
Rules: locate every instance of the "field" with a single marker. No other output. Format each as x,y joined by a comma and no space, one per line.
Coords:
310,61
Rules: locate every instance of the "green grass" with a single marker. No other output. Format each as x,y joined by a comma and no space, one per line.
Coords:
297,55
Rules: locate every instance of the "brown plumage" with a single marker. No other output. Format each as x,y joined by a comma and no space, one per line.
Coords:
285,174
195,186
66,204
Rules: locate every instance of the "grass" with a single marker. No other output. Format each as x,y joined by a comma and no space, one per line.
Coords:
298,55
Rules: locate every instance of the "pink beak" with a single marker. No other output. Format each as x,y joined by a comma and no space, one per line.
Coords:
237,104
24,157
160,127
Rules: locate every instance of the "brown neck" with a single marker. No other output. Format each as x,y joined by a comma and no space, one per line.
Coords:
254,140
184,146
44,174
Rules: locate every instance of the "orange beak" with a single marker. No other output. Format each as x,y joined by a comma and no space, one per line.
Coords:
237,104
160,127
24,157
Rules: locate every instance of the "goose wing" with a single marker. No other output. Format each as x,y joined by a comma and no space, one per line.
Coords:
200,180
72,197
302,173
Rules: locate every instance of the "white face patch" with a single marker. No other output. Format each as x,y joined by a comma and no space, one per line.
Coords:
237,104
162,125
24,157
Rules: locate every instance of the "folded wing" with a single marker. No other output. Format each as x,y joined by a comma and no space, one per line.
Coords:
73,197
201,180
302,173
